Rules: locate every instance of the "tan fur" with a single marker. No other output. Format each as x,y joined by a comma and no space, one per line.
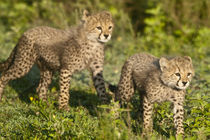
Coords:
66,51
157,80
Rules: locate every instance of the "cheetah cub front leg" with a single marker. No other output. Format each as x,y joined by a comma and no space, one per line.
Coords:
65,77
96,69
178,114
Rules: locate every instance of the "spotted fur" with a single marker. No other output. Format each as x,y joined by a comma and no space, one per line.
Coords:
66,51
157,80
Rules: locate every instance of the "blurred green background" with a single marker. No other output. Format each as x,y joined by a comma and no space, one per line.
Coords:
160,27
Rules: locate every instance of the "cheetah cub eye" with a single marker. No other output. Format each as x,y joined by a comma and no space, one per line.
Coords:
189,74
177,74
99,28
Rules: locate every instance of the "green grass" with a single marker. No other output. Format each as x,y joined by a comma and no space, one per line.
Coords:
24,117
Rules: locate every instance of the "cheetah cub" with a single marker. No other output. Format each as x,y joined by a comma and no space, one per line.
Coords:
158,80
66,51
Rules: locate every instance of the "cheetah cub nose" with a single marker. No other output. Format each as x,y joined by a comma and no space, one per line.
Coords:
106,36
184,83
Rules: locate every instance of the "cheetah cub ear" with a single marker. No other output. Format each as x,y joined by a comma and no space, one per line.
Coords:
190,64
85,15
108,14
188,58
164,63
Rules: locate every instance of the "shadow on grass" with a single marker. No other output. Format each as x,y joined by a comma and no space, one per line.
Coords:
86,99
26,86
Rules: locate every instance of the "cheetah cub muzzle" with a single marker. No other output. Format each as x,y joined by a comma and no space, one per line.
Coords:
67,51
157,80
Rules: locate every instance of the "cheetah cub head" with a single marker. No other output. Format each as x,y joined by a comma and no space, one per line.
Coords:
176,72
99,26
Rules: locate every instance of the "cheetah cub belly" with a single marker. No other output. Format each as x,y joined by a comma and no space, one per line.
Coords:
160,80
66,51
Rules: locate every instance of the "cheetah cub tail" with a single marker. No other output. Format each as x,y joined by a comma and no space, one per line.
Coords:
112,89
6,64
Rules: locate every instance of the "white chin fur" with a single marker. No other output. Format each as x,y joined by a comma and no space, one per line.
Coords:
181,88
104,41
175,86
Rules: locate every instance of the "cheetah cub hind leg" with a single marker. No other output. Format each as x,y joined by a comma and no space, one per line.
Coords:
18,64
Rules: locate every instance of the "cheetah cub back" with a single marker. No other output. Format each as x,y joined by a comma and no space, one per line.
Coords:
160,80
66,51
